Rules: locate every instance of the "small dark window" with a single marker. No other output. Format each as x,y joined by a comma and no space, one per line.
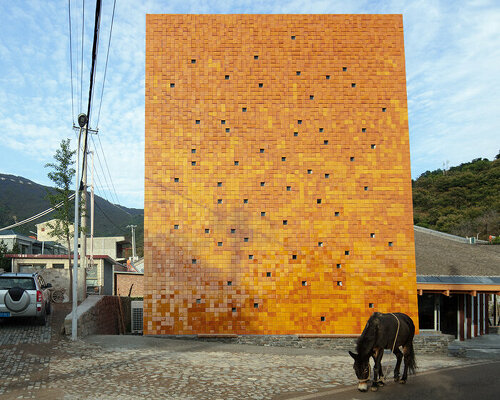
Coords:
262,213
352,159
176,226
198,301
384,109
318,201
294,256
311,97
344,69
327,176
219,184
263,184
228,130
325,142
353,85
219,244
233,230
346,252
292,37
219,201
283,158
285,222
245,239
261,85
321,130
363,130
244,109
233,309
207,230
236,163
295,133
320,244
172,85
193,151
59,266
304,283
193,61
309,171
339,266
268,274
370,305
322,319
245,201
193,261
229,283
262,150
227,77
373,146
337,213
223,121
176,179
372,235
250,256
255,57
193,162
297,73
339,283
390,244
327,76
288,188
299,121
255,305
366,188
198,122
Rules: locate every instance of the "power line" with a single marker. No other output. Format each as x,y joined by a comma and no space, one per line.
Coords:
39,215
109,219
106,67
71,61
102,169
81,67
106,163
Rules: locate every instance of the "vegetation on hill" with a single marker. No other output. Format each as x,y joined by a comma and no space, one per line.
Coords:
464,200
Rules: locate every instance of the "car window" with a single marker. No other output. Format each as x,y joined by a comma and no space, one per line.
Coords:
23,283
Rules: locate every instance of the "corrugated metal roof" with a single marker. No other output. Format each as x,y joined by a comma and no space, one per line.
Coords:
459,279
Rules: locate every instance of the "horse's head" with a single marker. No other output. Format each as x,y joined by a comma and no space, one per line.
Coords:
362,370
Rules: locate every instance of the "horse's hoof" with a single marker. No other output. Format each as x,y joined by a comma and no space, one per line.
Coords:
374,388
396,379
380,383
402,381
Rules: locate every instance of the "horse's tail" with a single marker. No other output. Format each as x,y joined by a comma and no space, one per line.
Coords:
412,364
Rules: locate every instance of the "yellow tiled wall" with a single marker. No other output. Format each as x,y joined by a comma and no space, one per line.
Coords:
278,190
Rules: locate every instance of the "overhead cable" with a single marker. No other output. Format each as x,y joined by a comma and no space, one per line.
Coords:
71,61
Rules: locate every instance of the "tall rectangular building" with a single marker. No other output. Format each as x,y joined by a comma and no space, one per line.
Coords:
277,188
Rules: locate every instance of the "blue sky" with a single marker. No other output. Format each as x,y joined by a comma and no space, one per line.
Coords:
452,66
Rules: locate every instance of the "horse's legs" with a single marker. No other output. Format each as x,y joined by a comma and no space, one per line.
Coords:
378,375
399,356
406,353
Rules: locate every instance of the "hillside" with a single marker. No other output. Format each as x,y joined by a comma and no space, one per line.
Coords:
21,198
465,200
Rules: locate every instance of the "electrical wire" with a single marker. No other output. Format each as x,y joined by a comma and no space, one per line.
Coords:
109,219
106,66
106,163
71,61
102,169
39,215
81,67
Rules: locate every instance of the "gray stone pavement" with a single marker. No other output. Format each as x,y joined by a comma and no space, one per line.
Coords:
22,331
136,367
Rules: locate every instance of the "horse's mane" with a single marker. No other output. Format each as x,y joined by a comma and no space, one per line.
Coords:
366,341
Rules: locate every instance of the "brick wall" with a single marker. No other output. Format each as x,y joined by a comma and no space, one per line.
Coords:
123,283
277,177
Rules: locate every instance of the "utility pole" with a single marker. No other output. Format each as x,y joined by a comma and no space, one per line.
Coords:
92,211
83,216
133,241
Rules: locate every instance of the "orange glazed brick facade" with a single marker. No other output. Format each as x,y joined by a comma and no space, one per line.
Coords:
277,188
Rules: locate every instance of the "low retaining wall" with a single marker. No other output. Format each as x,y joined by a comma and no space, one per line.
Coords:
423,344
100,315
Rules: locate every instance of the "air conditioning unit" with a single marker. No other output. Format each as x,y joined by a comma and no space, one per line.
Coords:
137,314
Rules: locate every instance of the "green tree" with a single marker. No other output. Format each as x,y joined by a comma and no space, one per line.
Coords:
62,174
4,262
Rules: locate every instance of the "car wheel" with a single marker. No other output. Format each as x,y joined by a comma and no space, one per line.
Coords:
17,299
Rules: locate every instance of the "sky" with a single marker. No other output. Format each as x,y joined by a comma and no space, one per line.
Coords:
452,51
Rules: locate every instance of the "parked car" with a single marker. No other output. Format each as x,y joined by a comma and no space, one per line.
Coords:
24,295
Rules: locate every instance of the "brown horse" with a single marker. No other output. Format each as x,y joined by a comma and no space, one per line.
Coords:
384,331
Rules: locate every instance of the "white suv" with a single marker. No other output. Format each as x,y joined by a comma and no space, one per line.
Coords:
24,295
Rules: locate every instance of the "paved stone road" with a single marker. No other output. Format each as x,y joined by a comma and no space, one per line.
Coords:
132,367
22,331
